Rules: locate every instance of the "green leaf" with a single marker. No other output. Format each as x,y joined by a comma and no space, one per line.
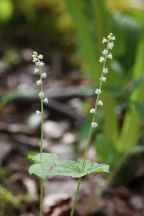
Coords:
140,108
16,94
130,131
41,168
136,150
73,169
106,151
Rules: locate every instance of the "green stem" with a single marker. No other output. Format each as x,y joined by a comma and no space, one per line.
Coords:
75,199
41,150
89,139
41,197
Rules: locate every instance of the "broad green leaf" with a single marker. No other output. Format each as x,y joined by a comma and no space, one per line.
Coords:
41,167
106,151
73,169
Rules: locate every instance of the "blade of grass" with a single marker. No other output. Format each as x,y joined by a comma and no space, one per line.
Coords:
131,126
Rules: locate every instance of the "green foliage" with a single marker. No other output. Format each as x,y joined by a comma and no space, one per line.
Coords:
73,169
87,43
15,94
140,108
8,197
41,167
106,151
131,127
6,10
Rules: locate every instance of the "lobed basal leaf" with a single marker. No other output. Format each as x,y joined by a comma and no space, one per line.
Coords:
41,168
74,169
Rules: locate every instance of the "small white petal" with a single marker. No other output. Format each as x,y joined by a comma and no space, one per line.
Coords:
41,94
36,70
97,91
41,63
35,53
35,59
104,40
38,112
44,75
37,63
103,79
38,82
113,38
109,56
94,124
105,52
45,100
101,59
105,70
92,110
100,103
40,56
110,45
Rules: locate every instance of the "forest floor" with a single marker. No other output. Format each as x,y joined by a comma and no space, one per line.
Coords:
20,134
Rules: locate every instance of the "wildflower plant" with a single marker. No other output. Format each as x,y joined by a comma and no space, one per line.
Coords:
85,167
43,162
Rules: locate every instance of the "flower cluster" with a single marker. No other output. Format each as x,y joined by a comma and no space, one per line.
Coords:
38,60
106,54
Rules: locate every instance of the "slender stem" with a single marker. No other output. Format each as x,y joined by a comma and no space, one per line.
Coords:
89,139
75,199
41,197
41,150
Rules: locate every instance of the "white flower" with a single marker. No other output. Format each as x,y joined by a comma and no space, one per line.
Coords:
41,94
92,110
109,56
36,70
97,91
105,52
41,63
35,53
110,45
101,59
94,124
38,112
40,56
34,59
103,79
38,63
100,103
45,100
113,38
105,70
44,75
104,40
38,82
109,37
